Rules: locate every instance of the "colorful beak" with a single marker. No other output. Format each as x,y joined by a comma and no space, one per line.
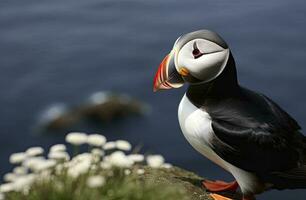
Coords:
167,76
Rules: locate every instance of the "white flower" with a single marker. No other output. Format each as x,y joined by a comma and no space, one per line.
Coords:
45,175
105,165
20,170
32,162
59,168
44,165
95,181
23,182
16,158
93,167
109,146
136,157
34,151
123,145
73,173
59,155
9,177
166,165
79,168
76,138
96,140
97,152
155,161
119,159
83,157
2,196
127,172
7,187
58,147
140,171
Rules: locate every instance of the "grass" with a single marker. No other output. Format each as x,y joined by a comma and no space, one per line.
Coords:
117,175
118,185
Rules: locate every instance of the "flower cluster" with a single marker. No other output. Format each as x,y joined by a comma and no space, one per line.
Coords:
32,167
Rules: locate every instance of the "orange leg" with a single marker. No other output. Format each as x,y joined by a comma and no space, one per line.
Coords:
219,197
220,186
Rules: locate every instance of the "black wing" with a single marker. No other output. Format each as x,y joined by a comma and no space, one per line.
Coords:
255,134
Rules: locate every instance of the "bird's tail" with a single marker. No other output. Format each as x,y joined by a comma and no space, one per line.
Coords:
294,178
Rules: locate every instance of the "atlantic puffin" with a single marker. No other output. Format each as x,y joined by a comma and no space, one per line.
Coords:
243,131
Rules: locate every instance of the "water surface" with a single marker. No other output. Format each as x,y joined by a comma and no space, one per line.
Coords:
62,51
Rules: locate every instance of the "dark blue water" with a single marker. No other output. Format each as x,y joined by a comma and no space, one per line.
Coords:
62,51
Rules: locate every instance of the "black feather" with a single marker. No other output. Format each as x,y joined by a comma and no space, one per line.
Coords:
251,131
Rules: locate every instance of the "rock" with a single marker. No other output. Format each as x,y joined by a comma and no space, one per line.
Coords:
188,180
101,107
106,106
58,116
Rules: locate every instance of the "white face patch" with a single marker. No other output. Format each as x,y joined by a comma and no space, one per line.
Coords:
206,67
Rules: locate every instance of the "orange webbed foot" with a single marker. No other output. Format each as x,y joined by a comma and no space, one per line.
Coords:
219,197
220,186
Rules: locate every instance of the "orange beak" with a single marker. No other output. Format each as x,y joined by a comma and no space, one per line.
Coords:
167,76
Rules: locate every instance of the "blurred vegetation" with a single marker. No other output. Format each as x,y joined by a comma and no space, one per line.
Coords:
106,171
173,183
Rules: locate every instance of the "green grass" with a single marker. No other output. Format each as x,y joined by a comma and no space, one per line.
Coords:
59,177
117,186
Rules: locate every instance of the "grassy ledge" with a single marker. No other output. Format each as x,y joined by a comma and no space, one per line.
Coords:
105,171
174,183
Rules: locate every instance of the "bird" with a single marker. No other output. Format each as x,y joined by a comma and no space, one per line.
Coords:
243,131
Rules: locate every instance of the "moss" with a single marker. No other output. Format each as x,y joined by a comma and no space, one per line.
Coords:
177,177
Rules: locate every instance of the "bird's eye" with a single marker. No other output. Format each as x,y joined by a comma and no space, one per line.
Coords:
196,51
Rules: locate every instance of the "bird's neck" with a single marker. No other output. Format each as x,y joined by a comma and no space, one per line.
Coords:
224,86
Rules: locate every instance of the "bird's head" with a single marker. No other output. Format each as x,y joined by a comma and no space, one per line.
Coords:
197,57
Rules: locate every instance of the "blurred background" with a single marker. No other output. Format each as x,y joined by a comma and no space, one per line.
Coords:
64,51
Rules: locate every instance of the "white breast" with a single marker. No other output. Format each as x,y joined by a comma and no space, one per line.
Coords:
196,127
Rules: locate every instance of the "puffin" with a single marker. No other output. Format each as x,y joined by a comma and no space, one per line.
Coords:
242,131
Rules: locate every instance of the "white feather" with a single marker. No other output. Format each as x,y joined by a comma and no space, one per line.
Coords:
196,127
